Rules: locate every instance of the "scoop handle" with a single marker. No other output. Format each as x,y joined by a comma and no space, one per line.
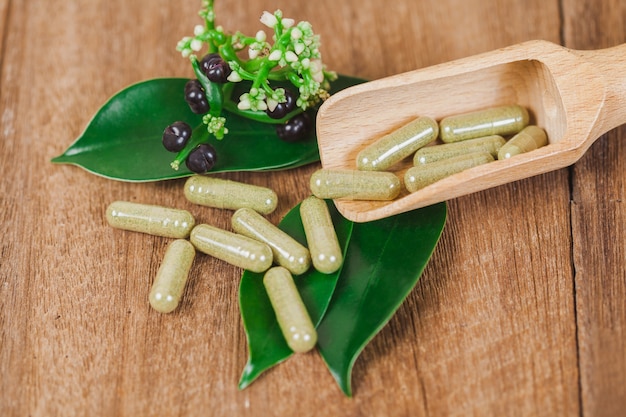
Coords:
610,64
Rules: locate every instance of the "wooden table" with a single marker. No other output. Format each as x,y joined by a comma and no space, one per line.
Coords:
521,312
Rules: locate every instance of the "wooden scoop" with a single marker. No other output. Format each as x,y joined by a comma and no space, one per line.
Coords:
576,96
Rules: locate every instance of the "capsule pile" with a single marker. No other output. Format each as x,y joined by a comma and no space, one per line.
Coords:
254,244
439,149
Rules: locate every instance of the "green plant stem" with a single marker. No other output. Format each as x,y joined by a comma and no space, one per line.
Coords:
212,91
295,79
280,74
228,52
262,73
199,135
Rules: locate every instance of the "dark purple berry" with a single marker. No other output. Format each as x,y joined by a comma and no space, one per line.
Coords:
282,109
207,61
175,136
295,129
215,68
201,159
195,97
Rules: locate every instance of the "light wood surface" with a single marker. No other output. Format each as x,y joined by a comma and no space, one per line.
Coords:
521,312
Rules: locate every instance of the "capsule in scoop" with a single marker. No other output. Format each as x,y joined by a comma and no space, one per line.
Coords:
354,184
231,195
503,120
169,284
529,139
397,145
422,175
287,251
151,219
320,234
231,247
490,144
291,313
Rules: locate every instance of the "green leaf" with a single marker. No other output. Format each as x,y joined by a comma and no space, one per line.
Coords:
266,344
123,140
385,259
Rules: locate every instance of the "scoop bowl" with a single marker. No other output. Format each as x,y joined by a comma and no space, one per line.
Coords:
575,96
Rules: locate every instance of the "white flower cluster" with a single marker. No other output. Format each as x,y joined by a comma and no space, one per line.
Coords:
191,44
253,100
295,46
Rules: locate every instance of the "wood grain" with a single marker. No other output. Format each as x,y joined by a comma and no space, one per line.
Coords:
598,224
520,312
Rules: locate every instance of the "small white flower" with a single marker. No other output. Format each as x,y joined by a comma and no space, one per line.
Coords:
296,33
198,30
261,36
253,52
268,19
306,63
271,104
234,77
287,23
316,65
317,70
291,56
244,104
299,47
183,43
276,55
196,45
318,76
304,25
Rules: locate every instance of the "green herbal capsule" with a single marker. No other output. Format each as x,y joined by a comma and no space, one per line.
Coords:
287,251
231,195
397,145
503,120
233,248
423,175
491,144
355,184
529,139
291,313
320,234
154,220
169,284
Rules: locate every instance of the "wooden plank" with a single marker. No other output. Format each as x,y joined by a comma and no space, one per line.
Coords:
598,220
4,13
489,330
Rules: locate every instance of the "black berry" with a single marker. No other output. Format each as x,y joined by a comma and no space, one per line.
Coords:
176,136
282,109
201,159
195,97
215,68
295,129
208,60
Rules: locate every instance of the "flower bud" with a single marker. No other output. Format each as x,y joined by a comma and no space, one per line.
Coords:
268,19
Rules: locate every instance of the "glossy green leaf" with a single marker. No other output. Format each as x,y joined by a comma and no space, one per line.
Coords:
385,259
266,344
123,140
